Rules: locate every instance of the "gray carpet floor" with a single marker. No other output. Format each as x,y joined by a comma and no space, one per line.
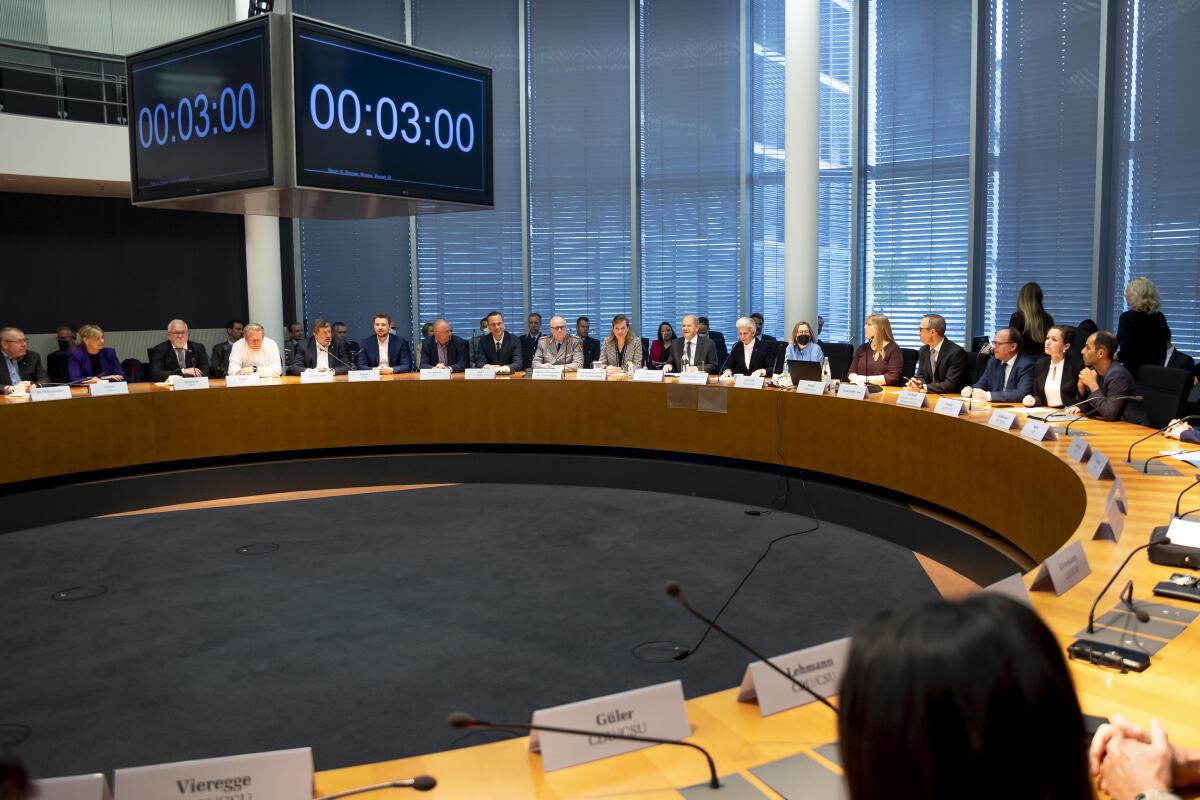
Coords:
379,614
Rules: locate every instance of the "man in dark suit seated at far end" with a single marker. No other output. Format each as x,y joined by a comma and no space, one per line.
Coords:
941,364
178,355
1108,388
1009,374
320,352
444,350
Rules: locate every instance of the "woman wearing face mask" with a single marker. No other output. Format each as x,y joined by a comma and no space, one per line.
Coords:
1055,379
802,347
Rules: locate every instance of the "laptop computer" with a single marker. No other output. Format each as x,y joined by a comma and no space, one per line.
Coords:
804,370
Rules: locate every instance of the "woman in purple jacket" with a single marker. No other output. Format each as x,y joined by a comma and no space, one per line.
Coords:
92,362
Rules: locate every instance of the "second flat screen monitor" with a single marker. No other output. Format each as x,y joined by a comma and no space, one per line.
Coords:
375,116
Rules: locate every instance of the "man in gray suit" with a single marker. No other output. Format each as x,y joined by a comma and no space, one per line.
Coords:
559,349
691,351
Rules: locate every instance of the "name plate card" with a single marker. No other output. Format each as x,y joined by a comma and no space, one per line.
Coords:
1112,524
278,775
1117,493
950,407
819,668
1012,587
252,379
1079,449
748,381
1036,430
365,375
548,374
593,374
183,384
695,378
648,376
39,393
810,387
316,376
855,391
910,399
480,374
656,711
1004,420
75,787
104,388
1098,466
1063,569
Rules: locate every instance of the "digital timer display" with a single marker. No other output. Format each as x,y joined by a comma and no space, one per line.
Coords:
375,116
200,115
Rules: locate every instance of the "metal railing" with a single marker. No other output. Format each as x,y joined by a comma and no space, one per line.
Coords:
42,81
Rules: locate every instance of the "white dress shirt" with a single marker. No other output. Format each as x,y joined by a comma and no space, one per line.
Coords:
383,353
1054,384
747,351
265,359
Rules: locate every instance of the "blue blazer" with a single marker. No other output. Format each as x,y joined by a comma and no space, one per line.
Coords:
399,356
1020,380
457,351
79,363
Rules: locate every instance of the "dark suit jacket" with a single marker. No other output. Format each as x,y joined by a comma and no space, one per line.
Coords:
705,353
1142,339
29,367
164,363
528,348
457,351
950,375
306,357
762,357
1114,384
591,350
80,363
509,355
218,364
718,340
1179,360
1020,380
399,354
1068,385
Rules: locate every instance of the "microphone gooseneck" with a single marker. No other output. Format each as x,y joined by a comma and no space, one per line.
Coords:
1129,455
1091,628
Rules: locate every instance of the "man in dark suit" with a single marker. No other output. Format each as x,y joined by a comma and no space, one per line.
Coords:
177,355
591,347
691,349
352,347
22,366
385,351
497,349
218,365
718,338
529,341
1109,386
1009,374
443,349
941,364
321,352
761,354
758,323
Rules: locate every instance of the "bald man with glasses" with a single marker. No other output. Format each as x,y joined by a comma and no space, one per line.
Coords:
22,367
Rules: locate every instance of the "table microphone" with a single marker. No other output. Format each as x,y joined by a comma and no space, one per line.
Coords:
1127,599
460,719
1129,455
329,352
674,591
1193,485
1097,408
422,783
1091,628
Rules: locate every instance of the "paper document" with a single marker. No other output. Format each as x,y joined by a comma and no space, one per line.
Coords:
1184,533
1190,456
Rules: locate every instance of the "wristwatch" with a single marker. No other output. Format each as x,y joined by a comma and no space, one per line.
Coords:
1156,794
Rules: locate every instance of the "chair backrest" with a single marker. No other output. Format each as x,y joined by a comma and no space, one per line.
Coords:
839,355
910,362
976,364
1164,391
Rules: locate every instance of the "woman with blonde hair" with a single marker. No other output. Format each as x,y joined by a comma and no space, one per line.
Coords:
92,362
1031,319
878,359
1142,331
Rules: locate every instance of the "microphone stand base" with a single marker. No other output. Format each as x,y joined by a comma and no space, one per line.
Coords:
660,652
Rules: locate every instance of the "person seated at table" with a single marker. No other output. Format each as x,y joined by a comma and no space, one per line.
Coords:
254,352
802,347
321,352
1055,378
218,364
622,348
718,338
178,355
444,350
1182,431
589,345
559,349
691,352
947,700
878,359
1009,373
499,350
660,348
1130,762
941,364
387,352
93,362
22,366
1107,387
749,355
352,347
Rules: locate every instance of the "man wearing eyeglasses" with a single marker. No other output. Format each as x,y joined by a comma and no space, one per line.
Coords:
444,350
559,349
1009,374
22,366
177,355
941,364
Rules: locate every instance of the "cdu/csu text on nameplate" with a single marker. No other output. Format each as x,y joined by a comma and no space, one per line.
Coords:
819,668
275,775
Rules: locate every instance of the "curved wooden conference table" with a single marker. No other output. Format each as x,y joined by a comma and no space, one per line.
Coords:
1030,493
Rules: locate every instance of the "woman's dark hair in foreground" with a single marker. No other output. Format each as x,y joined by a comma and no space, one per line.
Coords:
14,780
969,699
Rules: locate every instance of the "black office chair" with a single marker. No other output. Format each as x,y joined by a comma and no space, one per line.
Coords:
976,365
839,355
1164,392
910,362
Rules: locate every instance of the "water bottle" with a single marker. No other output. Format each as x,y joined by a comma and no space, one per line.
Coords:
826,377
